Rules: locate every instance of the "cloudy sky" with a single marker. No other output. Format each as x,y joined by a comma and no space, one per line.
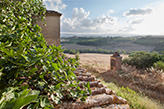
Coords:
141,17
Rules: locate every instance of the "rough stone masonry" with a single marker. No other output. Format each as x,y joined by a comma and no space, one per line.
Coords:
116,61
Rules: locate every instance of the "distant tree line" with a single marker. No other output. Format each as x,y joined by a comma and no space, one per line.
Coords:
100,50
73,51
97,42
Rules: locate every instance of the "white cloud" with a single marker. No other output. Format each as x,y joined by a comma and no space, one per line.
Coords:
105,19
80,13
153,23
136,21
111,11
134,12
81,22
56,5
146,21
141,21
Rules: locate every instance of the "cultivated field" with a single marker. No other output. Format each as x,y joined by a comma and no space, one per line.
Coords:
124,46
100,62
145,43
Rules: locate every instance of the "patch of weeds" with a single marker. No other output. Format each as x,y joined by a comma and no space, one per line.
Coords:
134,99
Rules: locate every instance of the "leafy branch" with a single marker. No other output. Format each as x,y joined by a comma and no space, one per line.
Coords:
27,63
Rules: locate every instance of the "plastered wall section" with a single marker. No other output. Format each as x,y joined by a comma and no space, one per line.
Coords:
51,31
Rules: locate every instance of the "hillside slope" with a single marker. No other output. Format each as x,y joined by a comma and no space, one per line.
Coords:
150,84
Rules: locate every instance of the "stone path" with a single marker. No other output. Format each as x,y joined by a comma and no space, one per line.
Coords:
101,98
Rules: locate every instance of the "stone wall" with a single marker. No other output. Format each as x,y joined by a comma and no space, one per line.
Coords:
116,61
51,31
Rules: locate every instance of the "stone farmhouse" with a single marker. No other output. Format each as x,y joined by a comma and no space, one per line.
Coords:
51,31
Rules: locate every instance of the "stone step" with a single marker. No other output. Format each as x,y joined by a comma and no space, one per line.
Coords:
97,91
83,74
101,97
81,70
94,101
110,92
92,84
85,78
113,106
100,85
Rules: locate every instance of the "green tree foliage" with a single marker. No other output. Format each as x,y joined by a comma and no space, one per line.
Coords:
159,65
143,59
77,57
26,61
123,51
16,100
103,51
98,42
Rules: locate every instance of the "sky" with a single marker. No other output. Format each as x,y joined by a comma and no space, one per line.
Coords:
128,17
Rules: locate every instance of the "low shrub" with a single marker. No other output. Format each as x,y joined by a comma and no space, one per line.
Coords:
77,57
159,65
126,61
142,59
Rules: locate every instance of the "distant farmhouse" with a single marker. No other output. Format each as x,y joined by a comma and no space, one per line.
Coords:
51,31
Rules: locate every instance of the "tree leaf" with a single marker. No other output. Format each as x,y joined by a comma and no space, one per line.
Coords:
42,102
55,66
45,68
25,57
23,101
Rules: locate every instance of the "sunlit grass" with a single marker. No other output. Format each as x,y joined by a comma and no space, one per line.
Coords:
135,100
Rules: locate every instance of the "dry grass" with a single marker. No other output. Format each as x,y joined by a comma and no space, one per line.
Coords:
150,84
135,100
100,62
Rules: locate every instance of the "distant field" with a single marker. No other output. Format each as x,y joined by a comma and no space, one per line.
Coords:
149,43
127,46
98,61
